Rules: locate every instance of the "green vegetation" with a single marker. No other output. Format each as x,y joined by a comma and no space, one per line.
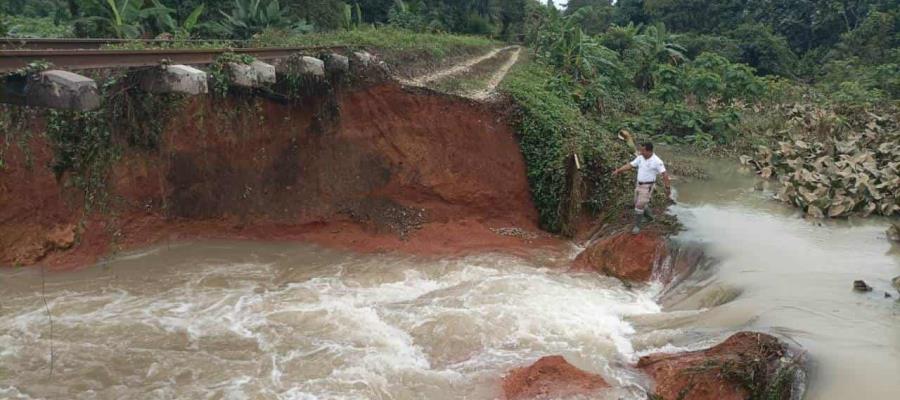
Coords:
33,27
15,128
88,143
388,40
548,125
553,130
251,17
242,19
219,75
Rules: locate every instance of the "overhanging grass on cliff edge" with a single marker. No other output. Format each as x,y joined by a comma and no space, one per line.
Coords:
391,42
551,129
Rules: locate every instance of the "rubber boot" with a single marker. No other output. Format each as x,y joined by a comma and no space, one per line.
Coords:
638,218
648,213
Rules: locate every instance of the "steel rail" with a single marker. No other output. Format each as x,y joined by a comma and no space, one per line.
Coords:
11,60
9,43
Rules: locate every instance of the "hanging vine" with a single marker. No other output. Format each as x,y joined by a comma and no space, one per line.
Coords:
15,120
15,129
88,143
220,75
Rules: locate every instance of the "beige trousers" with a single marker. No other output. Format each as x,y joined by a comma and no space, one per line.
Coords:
642,195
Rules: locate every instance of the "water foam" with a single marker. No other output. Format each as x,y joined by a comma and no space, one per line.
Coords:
370,327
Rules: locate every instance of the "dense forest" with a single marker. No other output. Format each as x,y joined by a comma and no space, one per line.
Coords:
764,77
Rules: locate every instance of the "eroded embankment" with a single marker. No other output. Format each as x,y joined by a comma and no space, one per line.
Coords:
380,168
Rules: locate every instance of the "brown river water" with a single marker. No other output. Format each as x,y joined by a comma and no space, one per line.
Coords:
249,320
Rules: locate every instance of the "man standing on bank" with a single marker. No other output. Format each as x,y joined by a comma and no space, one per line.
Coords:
649,166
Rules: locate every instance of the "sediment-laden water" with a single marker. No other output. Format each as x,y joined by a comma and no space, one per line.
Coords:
794,277
235,320
246,320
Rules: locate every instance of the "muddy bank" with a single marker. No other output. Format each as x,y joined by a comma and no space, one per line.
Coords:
625,256
642,258
748,365
378,168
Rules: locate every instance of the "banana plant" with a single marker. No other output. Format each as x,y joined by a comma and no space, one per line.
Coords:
250,17
655,48
129,19
122,17
563,42
347,16
165,21
658,45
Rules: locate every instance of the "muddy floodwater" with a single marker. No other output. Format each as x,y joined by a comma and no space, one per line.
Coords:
794,278
246,320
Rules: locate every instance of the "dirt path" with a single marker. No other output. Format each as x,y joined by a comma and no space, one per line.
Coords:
454,70
498,77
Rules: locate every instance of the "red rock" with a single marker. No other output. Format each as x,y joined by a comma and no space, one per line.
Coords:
625,256
61,238
551,377
746,365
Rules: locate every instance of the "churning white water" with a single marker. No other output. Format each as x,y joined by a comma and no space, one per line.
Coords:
249,320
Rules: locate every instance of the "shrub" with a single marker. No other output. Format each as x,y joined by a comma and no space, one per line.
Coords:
764,50
551,129
27,27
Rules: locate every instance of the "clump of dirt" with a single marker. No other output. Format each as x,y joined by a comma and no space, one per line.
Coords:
515,232
386,216
550,377
631,258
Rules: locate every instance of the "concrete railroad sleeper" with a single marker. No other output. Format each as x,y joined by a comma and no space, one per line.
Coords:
62,89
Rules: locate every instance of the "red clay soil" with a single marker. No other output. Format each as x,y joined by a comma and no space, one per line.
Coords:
550,377
625,256
388,169
745,362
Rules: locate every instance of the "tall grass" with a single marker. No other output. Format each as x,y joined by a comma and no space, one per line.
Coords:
551,131
388,40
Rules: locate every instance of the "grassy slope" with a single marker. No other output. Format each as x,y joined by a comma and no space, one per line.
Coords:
387,39
551,129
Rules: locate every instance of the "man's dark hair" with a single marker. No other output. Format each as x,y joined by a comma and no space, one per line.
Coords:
648,146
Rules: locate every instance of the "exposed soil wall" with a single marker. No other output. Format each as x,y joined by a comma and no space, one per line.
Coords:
380,168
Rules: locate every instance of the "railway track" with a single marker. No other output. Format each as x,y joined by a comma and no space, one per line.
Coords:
78,44
81,54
